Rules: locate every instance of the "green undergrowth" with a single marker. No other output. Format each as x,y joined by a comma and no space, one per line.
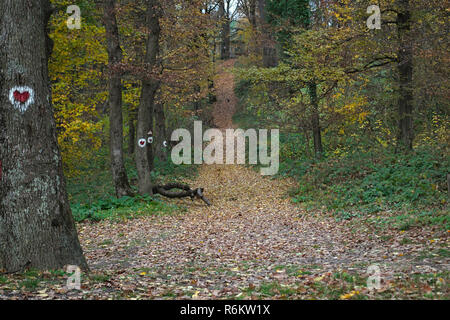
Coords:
123,208
92,195
414,186
406,189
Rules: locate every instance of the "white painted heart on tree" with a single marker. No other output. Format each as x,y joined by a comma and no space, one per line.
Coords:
21,98
142,143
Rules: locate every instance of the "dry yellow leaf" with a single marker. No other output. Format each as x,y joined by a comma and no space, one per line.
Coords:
319,278
349,295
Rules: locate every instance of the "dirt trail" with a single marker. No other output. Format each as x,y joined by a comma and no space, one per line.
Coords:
227,101
250,236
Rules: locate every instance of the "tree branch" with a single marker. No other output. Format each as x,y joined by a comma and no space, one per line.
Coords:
185,192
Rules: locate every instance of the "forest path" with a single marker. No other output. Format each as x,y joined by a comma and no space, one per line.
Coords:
251,243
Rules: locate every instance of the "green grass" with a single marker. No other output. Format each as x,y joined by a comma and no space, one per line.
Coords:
412,219
169,294
359,183
372,180
406,241
357,177
270,289
355,280
443,253
413,186
95,182
92,195
292,270
29,284
31,280
99,278
123,208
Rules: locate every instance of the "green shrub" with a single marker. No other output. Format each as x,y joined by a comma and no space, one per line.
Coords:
123,208
92,194
374,182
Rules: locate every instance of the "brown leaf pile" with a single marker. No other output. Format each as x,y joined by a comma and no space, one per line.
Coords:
253,243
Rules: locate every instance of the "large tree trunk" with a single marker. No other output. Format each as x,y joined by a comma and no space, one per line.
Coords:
36,225
144,156
119,173
315,120
405,71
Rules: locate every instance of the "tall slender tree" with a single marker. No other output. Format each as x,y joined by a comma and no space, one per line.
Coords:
405,74
118,170
269,50
315,114
150,86
161,138
225,32
36,225
131,131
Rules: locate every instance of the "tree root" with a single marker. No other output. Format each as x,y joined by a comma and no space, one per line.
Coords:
185,192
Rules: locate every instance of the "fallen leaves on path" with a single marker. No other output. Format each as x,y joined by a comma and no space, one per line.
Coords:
253,243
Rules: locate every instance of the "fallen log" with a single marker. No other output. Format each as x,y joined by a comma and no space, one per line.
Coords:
184,192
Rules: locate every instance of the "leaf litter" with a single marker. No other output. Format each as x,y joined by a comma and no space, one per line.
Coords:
253,243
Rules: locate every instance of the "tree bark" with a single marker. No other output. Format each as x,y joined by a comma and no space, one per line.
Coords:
160,133
118,170
315,115
315,120
225,31
36,225
252,13
150,85
184,192
197,101
131,132
405,72
269,51
448,185
306,134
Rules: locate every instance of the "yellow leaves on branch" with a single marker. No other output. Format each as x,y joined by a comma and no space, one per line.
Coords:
79,63
77,90
354,111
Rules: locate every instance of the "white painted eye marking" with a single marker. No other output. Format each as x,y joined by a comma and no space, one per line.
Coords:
142,143
150,140
21,98
165,144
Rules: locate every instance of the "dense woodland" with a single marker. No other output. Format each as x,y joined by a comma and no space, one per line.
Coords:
352,103
363,116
